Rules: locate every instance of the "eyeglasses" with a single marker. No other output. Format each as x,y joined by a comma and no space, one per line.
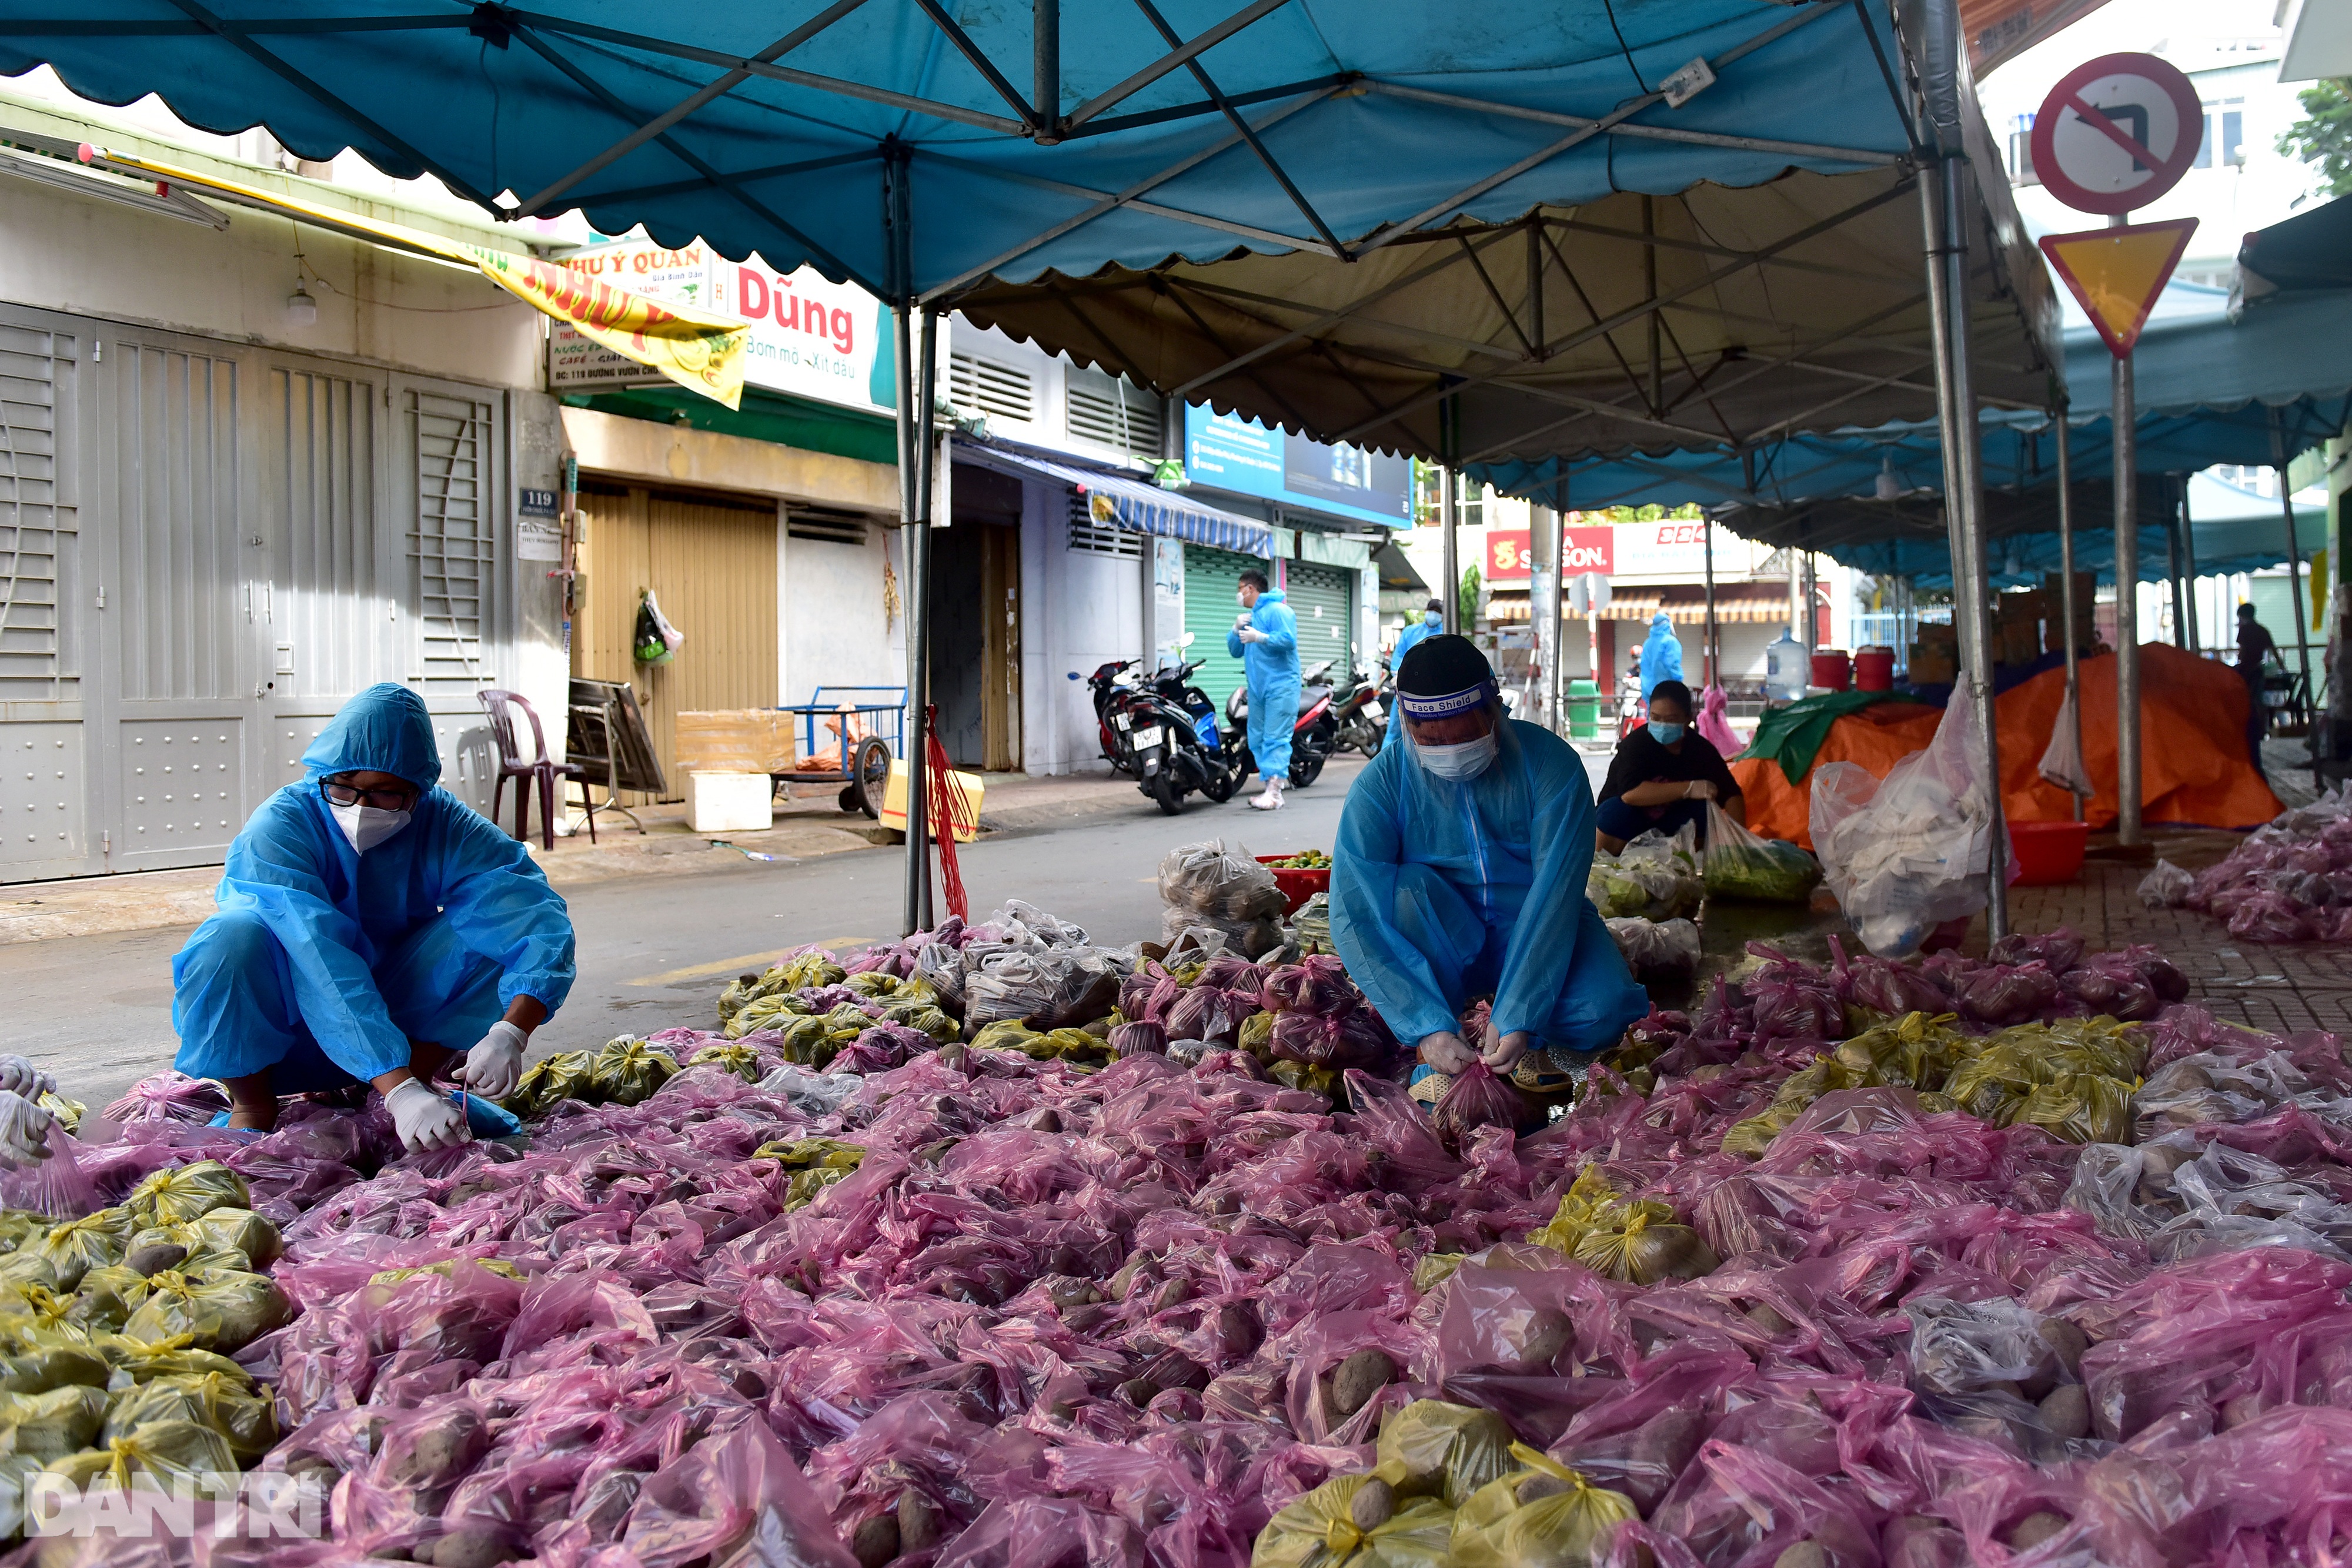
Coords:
339,793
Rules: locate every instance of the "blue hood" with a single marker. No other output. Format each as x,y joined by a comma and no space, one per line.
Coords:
385,729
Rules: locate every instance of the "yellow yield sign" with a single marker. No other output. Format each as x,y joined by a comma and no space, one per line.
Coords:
2116,273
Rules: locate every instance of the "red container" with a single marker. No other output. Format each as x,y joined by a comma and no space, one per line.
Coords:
2048,852
1830,669
1297,885
1874,670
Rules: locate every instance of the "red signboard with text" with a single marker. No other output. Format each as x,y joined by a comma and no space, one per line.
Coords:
1508,557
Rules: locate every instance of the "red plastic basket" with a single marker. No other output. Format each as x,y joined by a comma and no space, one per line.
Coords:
1297,885
2048,853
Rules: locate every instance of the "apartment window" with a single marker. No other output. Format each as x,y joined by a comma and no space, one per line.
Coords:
1473,504
2020,153
1114,411
985,386
1088,537
2227,121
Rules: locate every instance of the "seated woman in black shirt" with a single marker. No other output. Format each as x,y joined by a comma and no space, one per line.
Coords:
1663,775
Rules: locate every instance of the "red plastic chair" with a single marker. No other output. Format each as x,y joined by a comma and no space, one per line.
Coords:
538,770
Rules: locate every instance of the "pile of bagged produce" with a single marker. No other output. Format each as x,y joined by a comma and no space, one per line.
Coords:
1149,1259
2288,881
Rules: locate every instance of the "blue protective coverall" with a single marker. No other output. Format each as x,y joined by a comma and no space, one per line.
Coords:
1442,891
1407,639
323,964
1662,654
1271,668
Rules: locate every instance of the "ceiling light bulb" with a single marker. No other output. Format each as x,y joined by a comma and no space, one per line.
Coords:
301,310
1887,486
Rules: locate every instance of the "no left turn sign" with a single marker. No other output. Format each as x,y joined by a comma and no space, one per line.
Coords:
2116,134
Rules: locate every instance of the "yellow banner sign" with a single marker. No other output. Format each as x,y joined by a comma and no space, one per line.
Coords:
700,353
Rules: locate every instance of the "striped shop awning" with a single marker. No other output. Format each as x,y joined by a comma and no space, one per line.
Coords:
1121,503
1736,603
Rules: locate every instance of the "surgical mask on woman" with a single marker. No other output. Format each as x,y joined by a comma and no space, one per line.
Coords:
367,826
1465,761
1667,733
1431,618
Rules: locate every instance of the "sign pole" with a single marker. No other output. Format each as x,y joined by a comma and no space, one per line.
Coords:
2293,560
2124,422
2066,587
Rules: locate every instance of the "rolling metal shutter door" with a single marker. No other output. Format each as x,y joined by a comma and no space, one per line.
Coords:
1211,579
1324,600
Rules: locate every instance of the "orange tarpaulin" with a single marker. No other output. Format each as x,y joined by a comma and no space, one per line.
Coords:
2193,766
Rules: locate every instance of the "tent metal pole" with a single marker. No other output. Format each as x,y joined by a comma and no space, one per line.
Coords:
1450,565
2066,587
2294,566
913,504
1543,611
2124,439
2172,566
1046,99
918,630
2189,568
1946,232
1713,637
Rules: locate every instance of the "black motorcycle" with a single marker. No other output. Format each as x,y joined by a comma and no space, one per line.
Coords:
1164,733
1360,710
1115,688
1313,733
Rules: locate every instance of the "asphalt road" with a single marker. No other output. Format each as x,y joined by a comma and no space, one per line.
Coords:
655,951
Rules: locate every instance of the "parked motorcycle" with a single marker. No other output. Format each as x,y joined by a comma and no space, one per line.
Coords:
1360,715
1114,688
1164,733
1313,735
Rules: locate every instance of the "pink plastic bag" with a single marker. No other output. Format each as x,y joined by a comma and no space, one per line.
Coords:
736,1490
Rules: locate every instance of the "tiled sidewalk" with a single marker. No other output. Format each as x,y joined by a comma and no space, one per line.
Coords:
2281,988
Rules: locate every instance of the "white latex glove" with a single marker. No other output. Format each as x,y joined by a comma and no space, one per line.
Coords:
1241,621
1444,1051
19,1076
24,1130
424,1120
1501,1053
1699,790
494,1067
1251,634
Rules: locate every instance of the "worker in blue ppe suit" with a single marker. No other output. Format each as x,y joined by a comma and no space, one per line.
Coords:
1265,640
1432,622
1459,872
371,926
1662,654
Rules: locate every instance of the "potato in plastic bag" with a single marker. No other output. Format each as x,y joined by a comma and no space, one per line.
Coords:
544,1083
742,1060
1432,1449
181,1459
221,1310
62,1367
805,1040
628,1071
241,1230
170,1196
20,1226
2079,1108
52,1425
1004,1034
67,1114
1320,1529
773,1011
138,1360
1584,1201
106,1299
1645,1248
925,1017
1565,1521
240,1416
74,1247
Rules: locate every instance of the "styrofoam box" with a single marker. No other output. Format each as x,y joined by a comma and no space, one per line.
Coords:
729,802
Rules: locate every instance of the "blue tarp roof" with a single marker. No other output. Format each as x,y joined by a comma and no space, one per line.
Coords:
1117,502
776,128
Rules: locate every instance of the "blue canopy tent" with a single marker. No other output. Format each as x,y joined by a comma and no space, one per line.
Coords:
922,146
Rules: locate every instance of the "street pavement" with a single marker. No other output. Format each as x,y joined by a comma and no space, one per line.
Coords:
656,951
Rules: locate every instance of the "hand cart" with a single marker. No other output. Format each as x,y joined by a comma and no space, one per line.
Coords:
863,764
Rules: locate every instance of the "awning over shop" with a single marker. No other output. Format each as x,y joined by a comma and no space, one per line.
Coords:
1397,572
1115,502
1736,603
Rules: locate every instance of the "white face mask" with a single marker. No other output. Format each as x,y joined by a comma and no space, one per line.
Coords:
367,826
1465,761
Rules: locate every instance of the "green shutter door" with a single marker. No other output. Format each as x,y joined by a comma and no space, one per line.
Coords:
1323,598
1211,579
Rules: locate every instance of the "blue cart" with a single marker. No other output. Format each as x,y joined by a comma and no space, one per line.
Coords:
862,768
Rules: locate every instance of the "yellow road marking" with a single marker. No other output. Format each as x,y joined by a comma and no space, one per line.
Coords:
749,961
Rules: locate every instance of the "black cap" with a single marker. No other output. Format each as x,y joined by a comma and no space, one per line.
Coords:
1441,666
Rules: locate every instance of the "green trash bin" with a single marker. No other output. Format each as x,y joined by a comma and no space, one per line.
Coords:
1583,710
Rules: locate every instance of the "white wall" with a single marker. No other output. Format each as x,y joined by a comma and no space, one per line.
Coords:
1079,611
832,628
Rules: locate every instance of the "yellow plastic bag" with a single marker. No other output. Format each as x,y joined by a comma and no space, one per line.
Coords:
1004,1034
52,1425
741,1061
74,1247
138,1360
222,1310
171,1196
1645,1246
242,1418
1316,1530
1432,1449
544,1083
2080,1108
39,1371
181,1459
1585,1198
239,1230
1569,1524
628,1071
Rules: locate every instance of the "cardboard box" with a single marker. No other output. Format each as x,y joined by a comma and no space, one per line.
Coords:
1932,634
1933,666
729,802
736,740
2027,609
971,786
2017,642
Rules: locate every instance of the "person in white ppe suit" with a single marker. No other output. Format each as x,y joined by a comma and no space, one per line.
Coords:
1459,874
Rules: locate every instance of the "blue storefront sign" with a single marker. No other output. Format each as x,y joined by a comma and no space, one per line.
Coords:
1227,452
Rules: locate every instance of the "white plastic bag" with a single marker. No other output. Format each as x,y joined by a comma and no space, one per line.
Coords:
1657,946
2166,887
1909,851
1208,879
2061,763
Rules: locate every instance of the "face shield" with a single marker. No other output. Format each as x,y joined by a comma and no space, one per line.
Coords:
1455,737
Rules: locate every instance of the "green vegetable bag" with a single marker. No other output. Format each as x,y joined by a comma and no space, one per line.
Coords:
222,1310
174,1196
52,1425
242,1418
1740,865
628,1071
184,1459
